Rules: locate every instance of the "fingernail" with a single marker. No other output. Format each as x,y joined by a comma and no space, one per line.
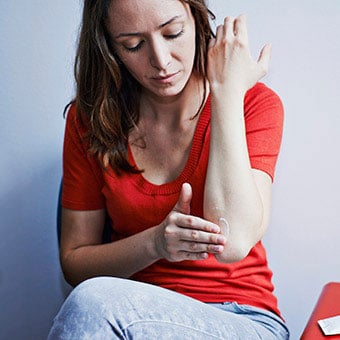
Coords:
218,249
221,239
216,229
204,256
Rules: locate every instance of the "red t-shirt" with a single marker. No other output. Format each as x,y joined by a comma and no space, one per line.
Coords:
134,204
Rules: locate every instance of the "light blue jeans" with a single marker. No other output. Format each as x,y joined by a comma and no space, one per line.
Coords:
110,308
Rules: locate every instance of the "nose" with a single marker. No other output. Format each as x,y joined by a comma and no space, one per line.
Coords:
160,55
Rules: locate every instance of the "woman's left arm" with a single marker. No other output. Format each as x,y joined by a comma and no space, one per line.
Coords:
236,196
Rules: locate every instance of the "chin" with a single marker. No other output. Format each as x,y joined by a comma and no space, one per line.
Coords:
169,91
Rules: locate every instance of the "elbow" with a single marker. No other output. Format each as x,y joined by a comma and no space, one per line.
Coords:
240,251
241,237
234,252
242,227
70,279
69,271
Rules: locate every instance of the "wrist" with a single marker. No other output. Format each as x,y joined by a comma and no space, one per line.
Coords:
227,106
227,89
153,244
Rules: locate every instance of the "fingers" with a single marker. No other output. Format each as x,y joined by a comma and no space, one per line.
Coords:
219,34
233,27
192,223
229,56
240,28
201,242
196,236
228,28
187,237
195,251
191,237
212,43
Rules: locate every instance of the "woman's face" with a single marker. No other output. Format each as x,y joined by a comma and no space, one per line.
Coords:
155,39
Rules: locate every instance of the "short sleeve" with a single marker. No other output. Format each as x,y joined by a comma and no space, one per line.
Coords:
82,175
264,125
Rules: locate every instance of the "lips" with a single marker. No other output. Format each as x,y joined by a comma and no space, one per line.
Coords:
165,79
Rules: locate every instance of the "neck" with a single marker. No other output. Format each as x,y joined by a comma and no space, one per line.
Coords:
175,110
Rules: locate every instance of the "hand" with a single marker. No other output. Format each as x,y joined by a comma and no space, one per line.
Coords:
182,236
229,59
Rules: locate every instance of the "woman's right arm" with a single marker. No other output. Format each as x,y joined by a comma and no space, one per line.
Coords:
179,237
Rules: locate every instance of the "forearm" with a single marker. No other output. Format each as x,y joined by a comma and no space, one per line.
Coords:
121,258
230,190
180,236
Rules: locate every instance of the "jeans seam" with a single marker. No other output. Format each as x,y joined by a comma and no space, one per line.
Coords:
170,323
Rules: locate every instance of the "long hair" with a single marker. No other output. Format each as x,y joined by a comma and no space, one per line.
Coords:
107,96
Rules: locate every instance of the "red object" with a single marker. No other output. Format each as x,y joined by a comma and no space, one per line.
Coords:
328,305
135,204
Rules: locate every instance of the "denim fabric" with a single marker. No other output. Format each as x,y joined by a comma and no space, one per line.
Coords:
111,308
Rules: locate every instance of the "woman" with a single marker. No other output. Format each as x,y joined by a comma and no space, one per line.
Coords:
171,136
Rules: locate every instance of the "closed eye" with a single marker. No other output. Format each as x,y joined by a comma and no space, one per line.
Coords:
134,48
139,46
174,36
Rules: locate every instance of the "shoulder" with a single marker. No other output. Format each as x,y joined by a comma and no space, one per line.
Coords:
76,124
263,112
261,103
261,95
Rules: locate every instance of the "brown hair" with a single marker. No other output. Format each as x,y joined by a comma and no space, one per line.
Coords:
107,94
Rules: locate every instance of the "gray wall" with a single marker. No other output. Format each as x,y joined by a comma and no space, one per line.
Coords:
36,53
303,241
37,39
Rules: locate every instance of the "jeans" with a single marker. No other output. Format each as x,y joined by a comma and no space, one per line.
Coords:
111,308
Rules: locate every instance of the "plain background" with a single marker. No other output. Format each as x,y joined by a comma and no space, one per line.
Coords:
37,42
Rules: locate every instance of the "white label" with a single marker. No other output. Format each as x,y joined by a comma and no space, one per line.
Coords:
330,326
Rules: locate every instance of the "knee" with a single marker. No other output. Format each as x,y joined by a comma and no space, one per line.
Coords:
97,296
89,300
90,294
85,312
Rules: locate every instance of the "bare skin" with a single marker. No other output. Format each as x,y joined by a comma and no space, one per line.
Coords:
236,203
240,195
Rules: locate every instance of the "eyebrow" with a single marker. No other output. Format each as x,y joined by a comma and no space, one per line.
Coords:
133,34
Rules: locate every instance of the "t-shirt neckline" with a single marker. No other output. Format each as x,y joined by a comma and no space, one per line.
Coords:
189,169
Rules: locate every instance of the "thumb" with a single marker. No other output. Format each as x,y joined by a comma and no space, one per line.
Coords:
184,200
264,58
